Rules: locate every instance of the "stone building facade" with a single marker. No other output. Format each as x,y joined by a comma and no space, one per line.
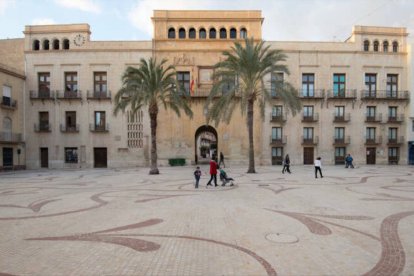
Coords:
355,96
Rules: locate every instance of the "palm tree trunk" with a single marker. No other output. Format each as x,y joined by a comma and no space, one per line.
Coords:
251,142
153,112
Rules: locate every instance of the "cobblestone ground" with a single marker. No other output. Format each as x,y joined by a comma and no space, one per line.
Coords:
125,222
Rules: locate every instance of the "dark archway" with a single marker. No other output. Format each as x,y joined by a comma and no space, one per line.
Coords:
205,143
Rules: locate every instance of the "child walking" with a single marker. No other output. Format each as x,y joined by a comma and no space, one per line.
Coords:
197,175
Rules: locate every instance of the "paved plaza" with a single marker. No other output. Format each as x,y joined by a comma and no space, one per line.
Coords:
125,222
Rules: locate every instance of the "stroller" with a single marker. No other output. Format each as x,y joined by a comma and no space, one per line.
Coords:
224,178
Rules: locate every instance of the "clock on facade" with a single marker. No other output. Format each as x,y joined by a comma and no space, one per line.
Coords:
79,40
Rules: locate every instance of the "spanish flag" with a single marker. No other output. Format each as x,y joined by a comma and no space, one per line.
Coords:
192,86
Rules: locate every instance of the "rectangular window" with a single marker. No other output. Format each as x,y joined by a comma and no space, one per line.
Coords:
370,85
229,84
339,85
70,120
339,152
44,84
276,133
277,111
371,112
71,84
392,152
71,155
308,85
392,113
135,129
277,155
276,83
205,75
100,83
100,121
183,79
6,95
308,112
44,121
339,133
308,133
339,111
392,134
370,134
392,85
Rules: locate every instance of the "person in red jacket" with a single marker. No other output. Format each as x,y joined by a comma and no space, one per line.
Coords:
213,173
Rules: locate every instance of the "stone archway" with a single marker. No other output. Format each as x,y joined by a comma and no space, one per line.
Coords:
205,144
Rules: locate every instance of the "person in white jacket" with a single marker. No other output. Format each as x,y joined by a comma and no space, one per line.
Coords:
318,167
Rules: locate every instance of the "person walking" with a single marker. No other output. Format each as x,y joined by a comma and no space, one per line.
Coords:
197,175
348,161
213,173
286,164
221,160
318,167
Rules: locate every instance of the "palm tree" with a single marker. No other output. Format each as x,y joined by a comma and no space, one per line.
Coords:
152,84
240,79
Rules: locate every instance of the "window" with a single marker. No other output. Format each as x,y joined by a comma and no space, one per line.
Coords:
44,85
55,44
276,133
36,45
100,85
393,155
100,121
370,134
233,33
277,111
171,33
277,155
202,33
229,85
339,155
66,44
392,134
276,83
205,75
371,110
192,33
376,46
70,118
370,85
243,33
366,45
385,46
46,44
339,134
213,33
181,33
308,85
135,129
308,133
340,112
395,46
392,113
7,128
71,155
183,79
71,84
6,96
339,85
44,121
223,33
392,85
308,112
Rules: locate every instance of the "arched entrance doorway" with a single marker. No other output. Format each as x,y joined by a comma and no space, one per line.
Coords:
205,144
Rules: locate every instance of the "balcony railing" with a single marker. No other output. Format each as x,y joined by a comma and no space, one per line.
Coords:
42,95
99,128
396,119
71,128
395,141
278,118
311,94
278,140
310,117
42,127
342,118
98,95
384,95
69,95
347,94
310,140
8,103
342,141
10,137
373,140
377,118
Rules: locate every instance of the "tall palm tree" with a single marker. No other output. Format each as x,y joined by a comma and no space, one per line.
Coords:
153,85
246,68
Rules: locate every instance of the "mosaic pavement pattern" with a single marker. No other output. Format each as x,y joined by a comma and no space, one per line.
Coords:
125,222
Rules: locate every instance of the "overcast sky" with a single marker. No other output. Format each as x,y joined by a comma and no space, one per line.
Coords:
309,20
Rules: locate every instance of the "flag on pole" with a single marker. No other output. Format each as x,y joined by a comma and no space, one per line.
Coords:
192,82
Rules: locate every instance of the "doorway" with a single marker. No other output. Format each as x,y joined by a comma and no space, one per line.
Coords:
100,157
8,158
308,156
44,158
371,156
411,153
205,144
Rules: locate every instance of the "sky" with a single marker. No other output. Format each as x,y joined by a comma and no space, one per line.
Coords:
284,20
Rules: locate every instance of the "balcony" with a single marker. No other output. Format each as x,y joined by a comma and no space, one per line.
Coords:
99,95
347,94
377,118
344,118
310,118
371,141
42,95
42,127
69,129
398,119
99,128
395,141
69,95
10,137
342,141
278,141
310,140
385,95
316,94
277,118
8,103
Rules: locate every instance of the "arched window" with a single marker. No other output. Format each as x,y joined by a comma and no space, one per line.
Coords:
233,33
213,33
395,46
366,45
181,33
192,33
243,33
46,44
202,33
66,44
36,45
55,44
376,46
223,33
385,46
171,33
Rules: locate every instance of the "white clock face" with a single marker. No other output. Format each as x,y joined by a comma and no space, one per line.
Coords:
79,40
